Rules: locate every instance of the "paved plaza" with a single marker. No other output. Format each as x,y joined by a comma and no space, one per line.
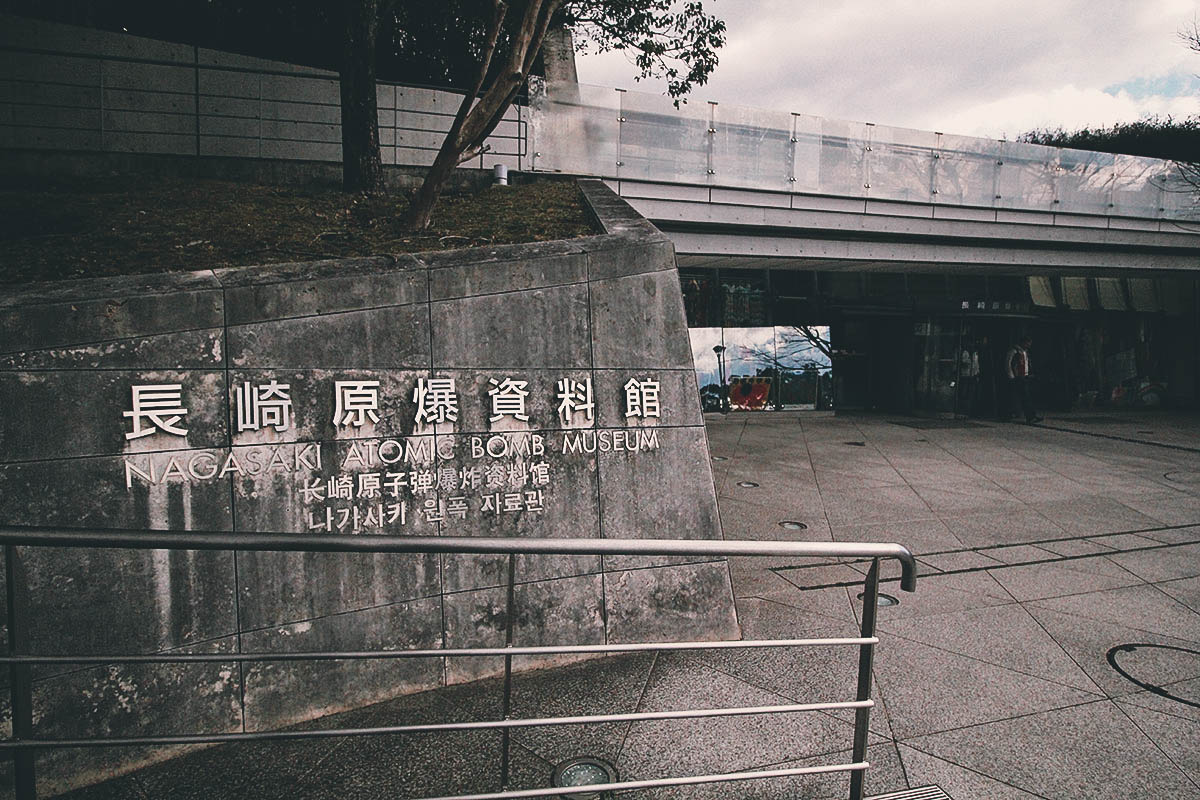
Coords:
1041,549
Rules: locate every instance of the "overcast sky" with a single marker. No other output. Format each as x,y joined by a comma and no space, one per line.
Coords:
976,67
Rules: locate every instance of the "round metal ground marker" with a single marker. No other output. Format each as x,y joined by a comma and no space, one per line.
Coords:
792,525
747,484
719,458
584,771
884,599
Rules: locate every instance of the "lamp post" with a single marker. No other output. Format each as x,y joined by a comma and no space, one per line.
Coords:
720,351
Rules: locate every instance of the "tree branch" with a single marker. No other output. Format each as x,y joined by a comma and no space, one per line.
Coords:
468,101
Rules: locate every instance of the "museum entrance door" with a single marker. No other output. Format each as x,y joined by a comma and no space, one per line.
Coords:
937,367
958,362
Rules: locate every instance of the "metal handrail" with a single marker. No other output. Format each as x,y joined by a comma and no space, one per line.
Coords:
23,745
49,536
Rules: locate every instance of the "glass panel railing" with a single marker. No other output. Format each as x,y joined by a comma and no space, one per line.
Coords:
1181,192
1026,177
751,148
1084,181
806,153
574,128
965,171
638,136
660,142
900,163
843,157
1137,186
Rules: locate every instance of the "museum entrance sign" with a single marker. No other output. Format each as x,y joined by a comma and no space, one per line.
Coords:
542,390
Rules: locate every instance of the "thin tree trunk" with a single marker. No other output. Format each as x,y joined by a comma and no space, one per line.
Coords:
361,167
475,121
420,213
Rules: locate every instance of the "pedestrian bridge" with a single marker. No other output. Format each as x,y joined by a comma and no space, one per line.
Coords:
735,187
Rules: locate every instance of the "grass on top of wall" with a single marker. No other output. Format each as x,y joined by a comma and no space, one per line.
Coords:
85,228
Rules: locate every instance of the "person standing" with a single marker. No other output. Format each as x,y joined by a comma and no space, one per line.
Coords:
1020,377
968,379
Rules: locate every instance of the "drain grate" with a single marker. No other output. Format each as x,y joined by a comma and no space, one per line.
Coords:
920,793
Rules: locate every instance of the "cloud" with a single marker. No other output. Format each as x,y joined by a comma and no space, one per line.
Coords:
983,67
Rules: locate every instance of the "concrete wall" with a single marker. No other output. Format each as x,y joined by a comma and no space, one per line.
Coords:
78,89
606,308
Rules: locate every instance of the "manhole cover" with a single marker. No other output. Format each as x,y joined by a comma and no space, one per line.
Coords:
719,458
747,484
884,599
792,525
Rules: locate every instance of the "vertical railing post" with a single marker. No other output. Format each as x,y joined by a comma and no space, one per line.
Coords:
866,658
620,132
20,683
506,697
710,139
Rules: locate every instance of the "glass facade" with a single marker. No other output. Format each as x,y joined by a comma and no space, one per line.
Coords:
935,344
751,344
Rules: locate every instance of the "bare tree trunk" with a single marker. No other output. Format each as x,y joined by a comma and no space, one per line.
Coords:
361,167
476,120
420,213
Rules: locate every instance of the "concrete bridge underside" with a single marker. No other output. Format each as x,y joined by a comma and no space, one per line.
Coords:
713,227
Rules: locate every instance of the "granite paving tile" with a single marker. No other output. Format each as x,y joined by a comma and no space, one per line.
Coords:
1168,563
719,744
1105,757
886,774
1041,581
1176,737
1006,636
982,692
1141,607
1089,641
923,769
1183,700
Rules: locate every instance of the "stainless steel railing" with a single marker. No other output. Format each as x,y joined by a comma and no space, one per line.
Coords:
23,745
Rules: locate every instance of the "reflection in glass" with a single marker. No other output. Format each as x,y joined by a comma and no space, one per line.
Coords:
803,366
700,299
1138,186
1041,292
574,128
965,171
1075,293
1085,180
751,358
844,157
752,148
900,163
1026,176
661,142
1110,293
600,131
708,357
745,295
